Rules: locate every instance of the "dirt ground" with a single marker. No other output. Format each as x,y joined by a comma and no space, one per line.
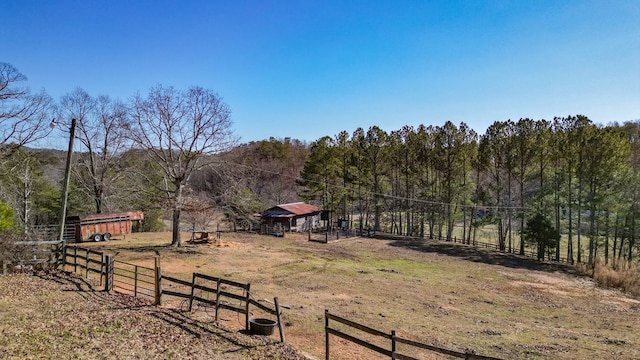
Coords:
442,294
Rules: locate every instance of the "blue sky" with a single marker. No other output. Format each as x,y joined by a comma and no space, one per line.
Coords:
305,69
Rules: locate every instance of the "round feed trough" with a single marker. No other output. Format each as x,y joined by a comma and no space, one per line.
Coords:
262,326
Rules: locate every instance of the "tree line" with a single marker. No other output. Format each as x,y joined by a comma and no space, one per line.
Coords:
579,178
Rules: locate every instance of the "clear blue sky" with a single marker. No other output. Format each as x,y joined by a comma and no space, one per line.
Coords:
305,69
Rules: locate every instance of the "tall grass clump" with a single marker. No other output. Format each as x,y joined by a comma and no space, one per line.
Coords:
625,277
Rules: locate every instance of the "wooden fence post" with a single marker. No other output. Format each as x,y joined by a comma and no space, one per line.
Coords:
393,344
86,265
102,268
326,333
75,259
4,267
64,255
135,281
108,284
246,308
158,280
193,289
279,317
217,298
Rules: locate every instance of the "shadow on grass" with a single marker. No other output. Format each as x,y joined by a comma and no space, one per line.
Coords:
239,341
164,248
486,256
66,278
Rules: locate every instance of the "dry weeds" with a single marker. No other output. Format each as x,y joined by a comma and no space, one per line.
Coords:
626,277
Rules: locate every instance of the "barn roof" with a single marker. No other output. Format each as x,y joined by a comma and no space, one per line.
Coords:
291,210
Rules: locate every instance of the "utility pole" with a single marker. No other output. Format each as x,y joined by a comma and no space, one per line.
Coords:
67,175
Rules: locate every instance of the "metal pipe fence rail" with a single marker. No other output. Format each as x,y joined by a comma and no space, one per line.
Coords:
132,279
327,236
391,349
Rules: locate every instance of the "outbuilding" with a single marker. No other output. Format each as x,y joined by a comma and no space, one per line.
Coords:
298,216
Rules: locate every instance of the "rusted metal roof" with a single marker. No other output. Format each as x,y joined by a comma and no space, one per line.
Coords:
291,210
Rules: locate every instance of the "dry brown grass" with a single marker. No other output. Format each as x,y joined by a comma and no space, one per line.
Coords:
443,294
57,316
626,277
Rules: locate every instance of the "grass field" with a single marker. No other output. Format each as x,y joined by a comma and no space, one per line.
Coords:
444,294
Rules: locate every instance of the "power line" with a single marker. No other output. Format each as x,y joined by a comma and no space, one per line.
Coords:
297,179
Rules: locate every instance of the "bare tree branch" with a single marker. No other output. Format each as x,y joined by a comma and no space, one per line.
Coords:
24,117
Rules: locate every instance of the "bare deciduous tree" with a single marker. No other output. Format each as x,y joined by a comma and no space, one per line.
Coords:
179,130
97,169
24,117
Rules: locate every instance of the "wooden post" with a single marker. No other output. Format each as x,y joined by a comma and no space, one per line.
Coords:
246,307
108,284
135,281
4,267
102,268
326,333
278,314
193,289
86,268
393,344
64,255
158,280
217,298
75,259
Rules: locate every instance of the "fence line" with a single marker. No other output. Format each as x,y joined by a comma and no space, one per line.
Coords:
89,261
35,253
391,350
136,280
219,293
144,281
